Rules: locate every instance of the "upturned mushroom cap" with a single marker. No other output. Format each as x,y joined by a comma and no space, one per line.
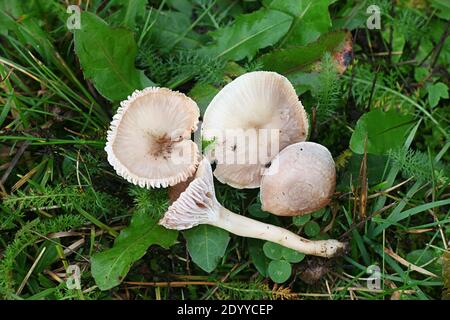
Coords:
253,101
196,205
148,142
301,179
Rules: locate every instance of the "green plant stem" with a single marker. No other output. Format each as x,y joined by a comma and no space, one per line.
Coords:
97,222
44,141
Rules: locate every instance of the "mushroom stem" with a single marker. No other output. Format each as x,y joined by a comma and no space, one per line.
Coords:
246,227
198,205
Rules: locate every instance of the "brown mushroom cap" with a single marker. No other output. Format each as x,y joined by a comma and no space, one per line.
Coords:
300,180
149,143
253,101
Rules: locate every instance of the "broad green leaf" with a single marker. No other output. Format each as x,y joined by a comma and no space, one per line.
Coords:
279,270
259,259
437,91
352,15
249,33
301,220
318,213
203,93
172,27
130,11
312,229
206,245
300,58
183,6
273,250
7,23
311,19
107,57
292,256
111,266
420,73
256,211
425,258
443,7
304,81
384,130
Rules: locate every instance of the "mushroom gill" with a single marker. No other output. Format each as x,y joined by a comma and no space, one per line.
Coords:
149,143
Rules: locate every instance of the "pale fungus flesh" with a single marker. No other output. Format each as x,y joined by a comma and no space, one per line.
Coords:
300,180
264,107
198,205
148,142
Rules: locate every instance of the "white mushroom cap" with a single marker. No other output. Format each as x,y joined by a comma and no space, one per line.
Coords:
196,205
253,101
149,143
301,179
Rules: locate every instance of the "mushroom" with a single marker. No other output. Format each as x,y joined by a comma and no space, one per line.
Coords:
148,142
198,205
301,179
261,103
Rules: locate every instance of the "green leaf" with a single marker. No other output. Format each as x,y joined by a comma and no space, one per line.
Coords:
311,19
384,130
259,259
425,258
420,73
319,213
20,18
376,165
203,93
443,8
398,215
130,11
301,220
273,250
248,34
436,92
183,6
107,57
292,256
111,266
7,23
352,15
48,257
304,81
312,229
170,28
279,270
300,58
256,211
206,245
